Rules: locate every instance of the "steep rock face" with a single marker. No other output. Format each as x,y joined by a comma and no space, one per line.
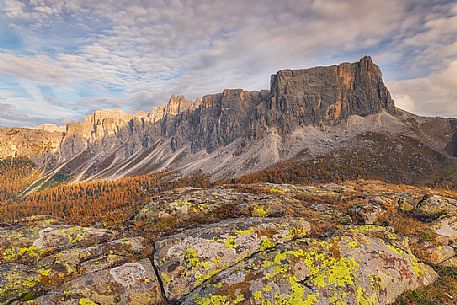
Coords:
219,120
19,142
235,132
327,95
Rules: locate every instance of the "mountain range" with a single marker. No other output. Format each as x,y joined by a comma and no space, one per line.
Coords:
341,113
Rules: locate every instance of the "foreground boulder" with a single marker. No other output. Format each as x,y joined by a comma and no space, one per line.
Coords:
308,245
130,283
47,263
186,260
346,269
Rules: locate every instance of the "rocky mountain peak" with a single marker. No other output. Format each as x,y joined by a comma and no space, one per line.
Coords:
329,95
234,131
178,104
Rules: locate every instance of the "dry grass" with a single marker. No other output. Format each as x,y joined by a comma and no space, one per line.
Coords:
443,291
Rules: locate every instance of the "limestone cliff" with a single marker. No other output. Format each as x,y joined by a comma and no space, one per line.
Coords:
28,143
227,134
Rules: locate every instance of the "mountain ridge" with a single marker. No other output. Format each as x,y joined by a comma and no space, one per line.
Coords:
236,132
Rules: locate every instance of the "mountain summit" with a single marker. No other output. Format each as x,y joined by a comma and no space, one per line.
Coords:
308,113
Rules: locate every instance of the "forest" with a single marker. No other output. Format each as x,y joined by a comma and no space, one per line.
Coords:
108,202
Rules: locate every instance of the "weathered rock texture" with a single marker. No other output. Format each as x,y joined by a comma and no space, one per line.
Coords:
28,143
275,244
74,265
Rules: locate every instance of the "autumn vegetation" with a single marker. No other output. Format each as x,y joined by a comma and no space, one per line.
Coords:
108,202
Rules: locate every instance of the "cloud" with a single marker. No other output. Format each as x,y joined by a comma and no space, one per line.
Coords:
11,116
134,54
435,95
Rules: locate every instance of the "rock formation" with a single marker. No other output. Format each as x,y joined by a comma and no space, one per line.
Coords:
235,132
280,244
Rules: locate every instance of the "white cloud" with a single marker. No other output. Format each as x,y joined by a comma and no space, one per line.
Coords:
154,49
434,95
12,8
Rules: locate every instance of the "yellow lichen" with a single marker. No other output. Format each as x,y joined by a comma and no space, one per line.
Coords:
86,301
277,191
212,300
266,243
339,274
353,244
230,243
14,253
257,295
299,295
191,258
245,232
361,299
165,277
260,211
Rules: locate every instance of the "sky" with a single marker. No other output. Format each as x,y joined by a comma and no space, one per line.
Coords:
62,59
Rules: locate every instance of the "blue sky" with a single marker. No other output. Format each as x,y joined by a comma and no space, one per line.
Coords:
60,60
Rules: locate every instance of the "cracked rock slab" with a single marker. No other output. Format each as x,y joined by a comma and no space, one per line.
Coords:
130,283
187,259
345,269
